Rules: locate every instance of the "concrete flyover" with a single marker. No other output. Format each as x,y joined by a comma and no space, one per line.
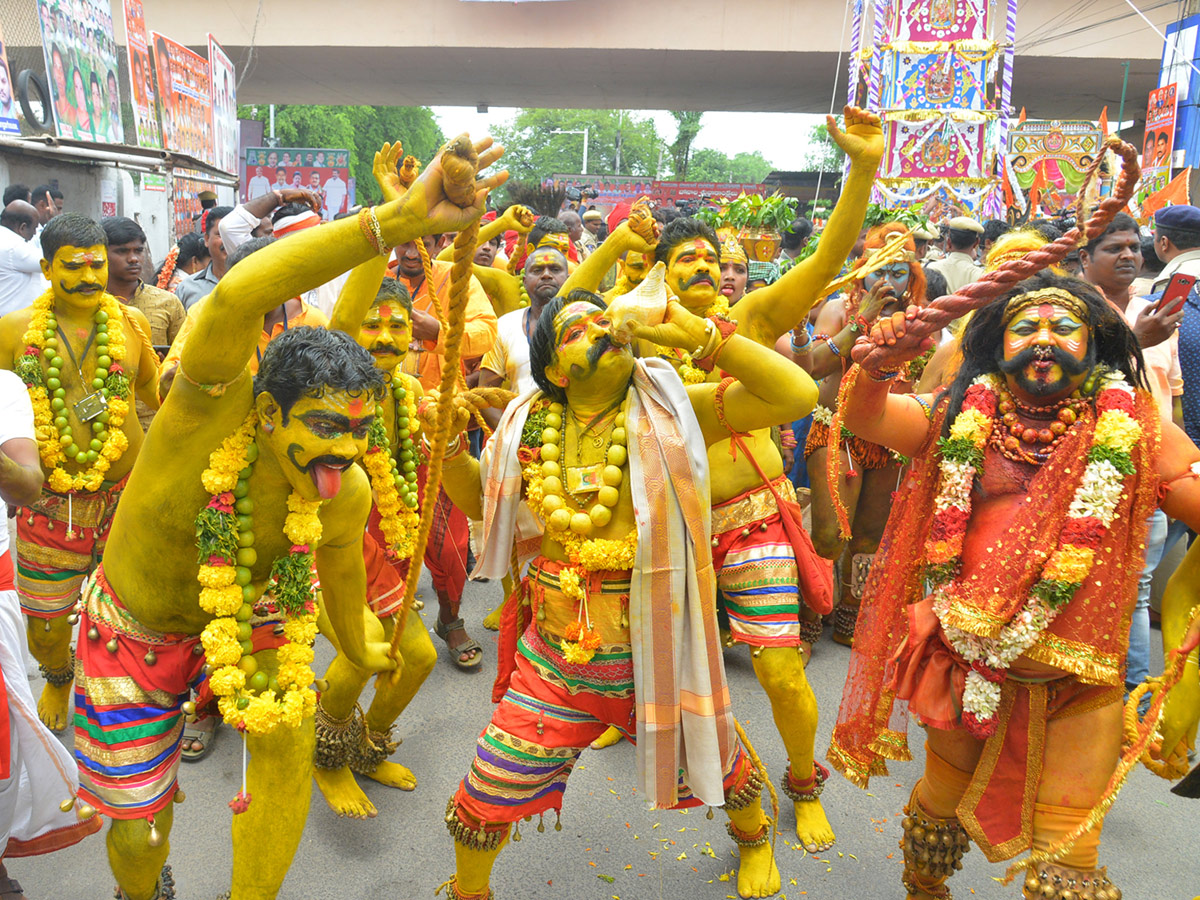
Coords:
753,55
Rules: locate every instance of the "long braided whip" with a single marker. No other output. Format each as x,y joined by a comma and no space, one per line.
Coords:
931,319
460,292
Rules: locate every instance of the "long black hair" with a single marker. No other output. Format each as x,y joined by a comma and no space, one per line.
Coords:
1111,343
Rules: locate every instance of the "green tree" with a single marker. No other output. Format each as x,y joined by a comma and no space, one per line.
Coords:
822,154
360,129
535,152
688,122
707,164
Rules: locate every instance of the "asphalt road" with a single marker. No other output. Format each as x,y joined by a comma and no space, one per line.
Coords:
611,847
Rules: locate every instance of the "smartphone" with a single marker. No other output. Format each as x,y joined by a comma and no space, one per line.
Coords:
1175,295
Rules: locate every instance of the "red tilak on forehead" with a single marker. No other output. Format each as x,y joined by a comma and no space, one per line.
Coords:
1045,311
355,406
700,245
89,258
385,311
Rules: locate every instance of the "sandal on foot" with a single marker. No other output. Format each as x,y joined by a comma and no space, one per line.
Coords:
205,738
443,629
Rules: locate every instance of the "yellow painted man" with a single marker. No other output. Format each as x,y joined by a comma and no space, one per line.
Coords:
279,451
749,549
81,354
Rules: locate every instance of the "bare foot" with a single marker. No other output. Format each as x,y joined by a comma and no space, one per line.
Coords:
608,739
394,775
54,706
492,620
812,827
343,794
758,876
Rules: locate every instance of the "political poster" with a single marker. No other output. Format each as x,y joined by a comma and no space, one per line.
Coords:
223,90
81,60
606,192
186,185
1159,142
324,172
184,98
141,79
8,105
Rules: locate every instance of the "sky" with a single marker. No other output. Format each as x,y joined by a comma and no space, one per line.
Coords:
780,137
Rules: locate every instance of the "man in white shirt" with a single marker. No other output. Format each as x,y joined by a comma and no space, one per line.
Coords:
20,258
260,184
335,194
959,267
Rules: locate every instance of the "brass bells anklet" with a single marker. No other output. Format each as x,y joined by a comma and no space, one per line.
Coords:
164,890
933,850
481,839
805,790
59,676
337,739
747,793
372,748
1050,882
757,839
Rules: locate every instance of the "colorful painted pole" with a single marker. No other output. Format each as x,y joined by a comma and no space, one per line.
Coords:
1004,100
877,41
855,67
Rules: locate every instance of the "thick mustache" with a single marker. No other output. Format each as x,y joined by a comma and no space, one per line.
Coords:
83,289
379,349
602,346
1069,364
700,278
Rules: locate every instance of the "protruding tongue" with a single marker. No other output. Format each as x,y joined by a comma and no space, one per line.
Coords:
327,479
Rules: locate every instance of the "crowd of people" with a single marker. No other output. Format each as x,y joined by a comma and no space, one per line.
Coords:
655,448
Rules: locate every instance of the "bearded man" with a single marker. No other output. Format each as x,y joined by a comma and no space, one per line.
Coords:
82,354
611,454
1001,621
255,480
756,569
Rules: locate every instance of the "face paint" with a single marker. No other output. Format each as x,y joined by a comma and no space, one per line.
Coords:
545,272
897,276
584,351
78,274
322,437
693,272
1046,350
386,332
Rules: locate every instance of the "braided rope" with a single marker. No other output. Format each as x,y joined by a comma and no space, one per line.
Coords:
460,292
931,319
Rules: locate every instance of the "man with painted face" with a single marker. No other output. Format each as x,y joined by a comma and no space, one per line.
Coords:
349,741
1046,454
756,569
610,455
886,278
82,354
255,479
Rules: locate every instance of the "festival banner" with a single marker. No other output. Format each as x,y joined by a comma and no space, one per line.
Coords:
611,190
1056,152
223,90
1174,194
184,98
939,80
141,81
1160,138
8,106
81,60
935,148
323,171
940,20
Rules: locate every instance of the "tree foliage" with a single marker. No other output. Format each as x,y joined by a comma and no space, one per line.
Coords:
822,154
713,165
688,126
361,129
534,152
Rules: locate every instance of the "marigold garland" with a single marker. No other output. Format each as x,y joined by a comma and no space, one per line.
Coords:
225,545
1091,511
52,425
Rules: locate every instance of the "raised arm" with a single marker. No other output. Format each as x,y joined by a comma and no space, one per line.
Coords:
769,389
357,294
230,322
503,290
767,313
516,218
589,273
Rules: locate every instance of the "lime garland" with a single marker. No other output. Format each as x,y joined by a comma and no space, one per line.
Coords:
395,484
248,698
56,442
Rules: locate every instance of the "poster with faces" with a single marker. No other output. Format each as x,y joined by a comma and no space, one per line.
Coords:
325,172
145,119
184,98
223,89
81,62
8,105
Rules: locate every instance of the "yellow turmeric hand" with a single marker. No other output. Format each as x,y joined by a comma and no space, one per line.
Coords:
863,137
385,172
